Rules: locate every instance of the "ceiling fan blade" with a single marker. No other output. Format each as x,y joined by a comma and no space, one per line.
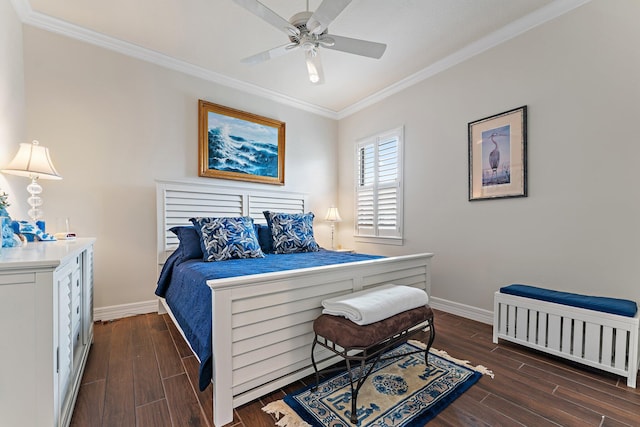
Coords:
356,46
325,14
314,66
268,15
271,53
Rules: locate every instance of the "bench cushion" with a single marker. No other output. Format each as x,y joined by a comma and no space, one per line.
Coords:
347,334
617,306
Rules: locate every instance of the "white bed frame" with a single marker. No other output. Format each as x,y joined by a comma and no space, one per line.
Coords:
262,323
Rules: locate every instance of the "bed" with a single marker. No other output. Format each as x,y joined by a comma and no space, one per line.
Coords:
261,322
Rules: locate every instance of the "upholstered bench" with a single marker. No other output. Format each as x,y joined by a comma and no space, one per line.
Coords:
369,342
600,332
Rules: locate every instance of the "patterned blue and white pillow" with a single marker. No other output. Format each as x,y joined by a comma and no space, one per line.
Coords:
227,238
291,232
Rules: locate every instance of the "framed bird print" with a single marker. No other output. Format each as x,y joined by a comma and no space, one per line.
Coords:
498,156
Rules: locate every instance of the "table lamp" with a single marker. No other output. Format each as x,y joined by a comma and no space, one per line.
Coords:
333,216
33,161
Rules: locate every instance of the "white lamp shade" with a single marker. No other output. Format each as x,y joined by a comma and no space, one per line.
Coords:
32,161
333,215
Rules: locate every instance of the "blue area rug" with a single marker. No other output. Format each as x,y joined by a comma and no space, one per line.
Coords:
401,392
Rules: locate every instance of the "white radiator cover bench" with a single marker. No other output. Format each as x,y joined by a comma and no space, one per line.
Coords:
594,338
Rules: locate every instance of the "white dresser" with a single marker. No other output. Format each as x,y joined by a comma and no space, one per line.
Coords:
46,330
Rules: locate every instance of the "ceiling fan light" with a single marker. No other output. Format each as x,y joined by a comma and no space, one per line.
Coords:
314,68
314,77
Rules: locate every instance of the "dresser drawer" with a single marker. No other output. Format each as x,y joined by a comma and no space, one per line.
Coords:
14,279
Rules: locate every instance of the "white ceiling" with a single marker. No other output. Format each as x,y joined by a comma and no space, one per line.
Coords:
209,38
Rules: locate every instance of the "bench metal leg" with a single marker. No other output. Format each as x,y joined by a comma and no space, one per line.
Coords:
313,362
432,336
364,374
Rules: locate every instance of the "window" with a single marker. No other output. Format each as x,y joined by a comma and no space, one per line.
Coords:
379,188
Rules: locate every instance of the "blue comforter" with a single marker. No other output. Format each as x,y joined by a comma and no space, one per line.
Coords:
183,285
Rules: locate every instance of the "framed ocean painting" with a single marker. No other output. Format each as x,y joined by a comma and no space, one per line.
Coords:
498,156
234,144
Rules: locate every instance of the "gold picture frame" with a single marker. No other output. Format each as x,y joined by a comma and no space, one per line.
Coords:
498,156
234,144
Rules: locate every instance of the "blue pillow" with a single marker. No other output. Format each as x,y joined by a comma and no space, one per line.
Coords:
264,238
291,232
227,238
189,238
189,248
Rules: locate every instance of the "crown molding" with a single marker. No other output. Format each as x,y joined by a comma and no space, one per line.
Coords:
22,8
547,13
508,32
55,25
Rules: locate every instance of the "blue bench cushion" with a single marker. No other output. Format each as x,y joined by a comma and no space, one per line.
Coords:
621,307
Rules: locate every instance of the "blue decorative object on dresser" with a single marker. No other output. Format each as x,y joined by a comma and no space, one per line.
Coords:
8,240
31,231
8,236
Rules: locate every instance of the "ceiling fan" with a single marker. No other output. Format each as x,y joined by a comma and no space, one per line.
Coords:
308,30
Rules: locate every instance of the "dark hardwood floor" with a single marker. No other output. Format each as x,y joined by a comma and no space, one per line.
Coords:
140,372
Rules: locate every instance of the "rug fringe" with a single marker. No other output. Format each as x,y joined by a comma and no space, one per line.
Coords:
289,417
479,368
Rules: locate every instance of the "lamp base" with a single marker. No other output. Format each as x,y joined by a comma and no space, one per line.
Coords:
35,201
333,229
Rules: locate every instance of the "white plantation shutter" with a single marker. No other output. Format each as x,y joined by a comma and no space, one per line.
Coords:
365,212
379,185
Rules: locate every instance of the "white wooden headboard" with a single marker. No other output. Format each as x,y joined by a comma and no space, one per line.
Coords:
177,201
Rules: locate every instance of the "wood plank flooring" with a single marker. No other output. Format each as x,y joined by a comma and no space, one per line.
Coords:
141,373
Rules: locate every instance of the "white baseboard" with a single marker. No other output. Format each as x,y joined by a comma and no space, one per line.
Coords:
473,313
124,310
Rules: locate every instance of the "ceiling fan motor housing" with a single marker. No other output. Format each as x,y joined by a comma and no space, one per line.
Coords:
300,20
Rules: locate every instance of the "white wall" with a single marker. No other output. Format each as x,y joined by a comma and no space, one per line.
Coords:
578,229
12,97
114,124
